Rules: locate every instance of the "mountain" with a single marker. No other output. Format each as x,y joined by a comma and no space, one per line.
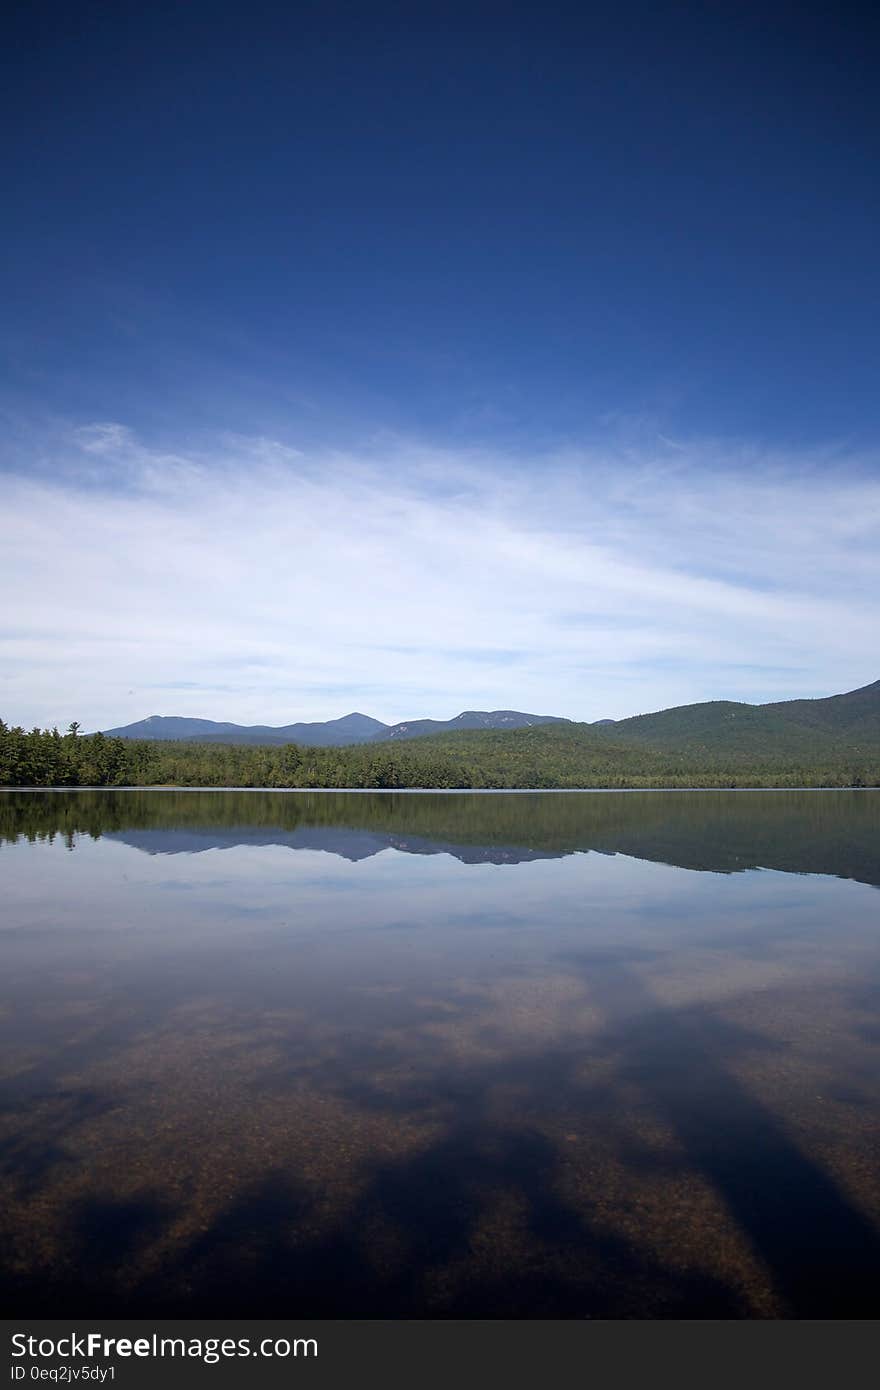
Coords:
158,726
856,713
835,723
468,719
351,728
834,726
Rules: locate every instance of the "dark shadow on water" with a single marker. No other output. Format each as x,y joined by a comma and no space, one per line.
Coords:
420,1234
264,1257
114,1232
822,1253
29,1154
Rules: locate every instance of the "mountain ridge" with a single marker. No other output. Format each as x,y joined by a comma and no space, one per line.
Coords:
794,727
468,719
349,729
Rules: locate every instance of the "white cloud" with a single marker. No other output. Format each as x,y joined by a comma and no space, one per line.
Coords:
254,582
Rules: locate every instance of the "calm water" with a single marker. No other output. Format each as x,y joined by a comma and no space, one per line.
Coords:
577,1055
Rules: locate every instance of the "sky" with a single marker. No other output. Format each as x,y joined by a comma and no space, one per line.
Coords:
419,358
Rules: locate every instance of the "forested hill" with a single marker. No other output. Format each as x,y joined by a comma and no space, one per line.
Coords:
550,755
790,727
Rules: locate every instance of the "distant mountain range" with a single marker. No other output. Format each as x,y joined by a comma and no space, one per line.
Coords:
351,728
835,724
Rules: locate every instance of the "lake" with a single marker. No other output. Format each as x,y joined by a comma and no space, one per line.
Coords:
578,1054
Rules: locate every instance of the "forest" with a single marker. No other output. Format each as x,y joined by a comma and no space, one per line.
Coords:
549,756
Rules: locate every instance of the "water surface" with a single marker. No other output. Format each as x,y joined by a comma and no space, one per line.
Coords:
380,1055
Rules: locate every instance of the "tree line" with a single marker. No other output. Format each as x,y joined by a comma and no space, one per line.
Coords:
552,756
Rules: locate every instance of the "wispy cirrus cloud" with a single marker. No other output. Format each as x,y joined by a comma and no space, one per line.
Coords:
246,579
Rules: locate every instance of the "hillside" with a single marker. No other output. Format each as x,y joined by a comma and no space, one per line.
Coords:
828,742
545,756
855,714
837,725
752,753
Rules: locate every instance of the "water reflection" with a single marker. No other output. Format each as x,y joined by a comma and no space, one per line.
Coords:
832,832
457,1066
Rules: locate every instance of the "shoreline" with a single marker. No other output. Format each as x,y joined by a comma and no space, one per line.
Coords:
436,791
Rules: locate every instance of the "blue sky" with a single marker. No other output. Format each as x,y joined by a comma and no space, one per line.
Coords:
585,297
